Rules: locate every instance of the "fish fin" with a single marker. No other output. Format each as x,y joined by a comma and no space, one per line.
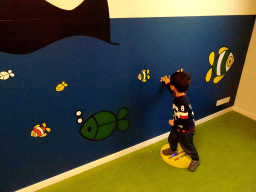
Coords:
208,75
143,71
217,79
223,49
65,85
148,71
63,82
122,113
11,74
37,126
48,129
211,58
9,71
144,80
43,135
148,77
123,125
44,124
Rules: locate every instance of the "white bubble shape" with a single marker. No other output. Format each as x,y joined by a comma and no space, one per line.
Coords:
78,113
80,120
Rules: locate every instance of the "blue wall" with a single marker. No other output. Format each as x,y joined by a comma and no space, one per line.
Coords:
102,76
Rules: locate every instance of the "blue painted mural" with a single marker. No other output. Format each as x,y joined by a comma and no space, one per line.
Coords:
100,77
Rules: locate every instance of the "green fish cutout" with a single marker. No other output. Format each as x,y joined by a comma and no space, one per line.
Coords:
102,124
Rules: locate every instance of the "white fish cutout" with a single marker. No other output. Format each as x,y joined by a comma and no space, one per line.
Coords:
5,75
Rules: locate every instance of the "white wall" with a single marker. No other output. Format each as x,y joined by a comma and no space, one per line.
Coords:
245,102
176,8
167,8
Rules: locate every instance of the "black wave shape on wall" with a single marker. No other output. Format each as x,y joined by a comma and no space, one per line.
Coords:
28,25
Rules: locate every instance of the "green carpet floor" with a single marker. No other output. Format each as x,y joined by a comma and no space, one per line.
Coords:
227,150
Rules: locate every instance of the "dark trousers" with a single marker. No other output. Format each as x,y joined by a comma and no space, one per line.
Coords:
185,140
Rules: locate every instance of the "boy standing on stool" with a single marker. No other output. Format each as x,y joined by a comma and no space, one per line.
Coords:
183,125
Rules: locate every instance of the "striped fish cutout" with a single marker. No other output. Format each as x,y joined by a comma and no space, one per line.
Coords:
39,131
221,65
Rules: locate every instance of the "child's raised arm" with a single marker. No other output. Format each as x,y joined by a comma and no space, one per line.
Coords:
166,79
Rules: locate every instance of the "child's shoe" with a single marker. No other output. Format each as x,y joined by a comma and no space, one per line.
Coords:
193,165
169,152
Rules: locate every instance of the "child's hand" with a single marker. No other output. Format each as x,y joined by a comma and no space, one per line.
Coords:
167,80
171,122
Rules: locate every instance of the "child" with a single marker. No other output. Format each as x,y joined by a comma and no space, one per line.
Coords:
183,125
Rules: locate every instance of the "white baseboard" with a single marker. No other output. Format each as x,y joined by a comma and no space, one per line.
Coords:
109,158
244,112
214,115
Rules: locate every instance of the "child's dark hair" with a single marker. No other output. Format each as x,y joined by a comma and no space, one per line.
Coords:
181,80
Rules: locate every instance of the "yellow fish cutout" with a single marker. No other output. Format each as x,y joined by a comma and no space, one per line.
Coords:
181,70
221,65
60,87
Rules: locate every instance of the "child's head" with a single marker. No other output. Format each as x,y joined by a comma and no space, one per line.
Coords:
181,81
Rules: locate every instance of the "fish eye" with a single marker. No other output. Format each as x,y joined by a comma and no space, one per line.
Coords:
89,129
230,61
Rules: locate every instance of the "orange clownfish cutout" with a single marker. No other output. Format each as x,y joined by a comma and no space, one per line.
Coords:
40,131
